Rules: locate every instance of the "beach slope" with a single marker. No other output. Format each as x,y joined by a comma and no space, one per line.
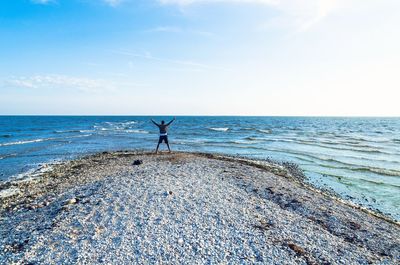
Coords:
127,207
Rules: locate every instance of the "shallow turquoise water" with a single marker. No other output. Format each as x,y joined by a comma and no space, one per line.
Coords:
357,157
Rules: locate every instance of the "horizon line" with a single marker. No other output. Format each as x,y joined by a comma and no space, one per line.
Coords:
199,115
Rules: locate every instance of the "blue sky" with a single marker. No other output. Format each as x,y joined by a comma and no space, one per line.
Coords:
200,57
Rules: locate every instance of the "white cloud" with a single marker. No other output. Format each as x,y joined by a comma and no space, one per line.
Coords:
42,2
165,29
194,65
59,82
189,2
174,29
303,14
300,14
113,3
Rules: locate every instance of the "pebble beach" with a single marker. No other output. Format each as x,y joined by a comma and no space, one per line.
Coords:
184,208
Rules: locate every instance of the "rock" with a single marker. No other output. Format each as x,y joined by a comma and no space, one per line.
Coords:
354,225
71,201
137,162
297,249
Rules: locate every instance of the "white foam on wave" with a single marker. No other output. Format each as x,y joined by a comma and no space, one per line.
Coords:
34,173
243,141
114,126
26,141
129,122
264,131
86,131
219,129
41,140
137,131
79,136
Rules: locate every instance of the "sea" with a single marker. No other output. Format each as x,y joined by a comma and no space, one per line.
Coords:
357,158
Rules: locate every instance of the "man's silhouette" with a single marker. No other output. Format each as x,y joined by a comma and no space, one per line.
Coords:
163,133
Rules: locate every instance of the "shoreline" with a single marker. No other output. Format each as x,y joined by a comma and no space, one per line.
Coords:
61,188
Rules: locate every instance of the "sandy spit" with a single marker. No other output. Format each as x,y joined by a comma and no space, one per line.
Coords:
183,208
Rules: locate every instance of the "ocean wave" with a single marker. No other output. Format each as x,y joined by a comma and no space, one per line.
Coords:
244,141
76,136
35,172
219,129
367,150
26,142
322,157
264,131
380,183
190,142
119,130
130,122
280,140
7,156
120,124
74,131
68,131
350,180
357,140
250,138
379,171
42,140
137,131
351,167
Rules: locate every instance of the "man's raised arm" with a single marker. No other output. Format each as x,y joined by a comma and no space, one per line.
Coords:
170,121
155,123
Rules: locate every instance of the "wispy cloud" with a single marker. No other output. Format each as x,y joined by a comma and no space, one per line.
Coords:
175,29
300,14
189,2
113,3
165,29
42,2
148,56
59,82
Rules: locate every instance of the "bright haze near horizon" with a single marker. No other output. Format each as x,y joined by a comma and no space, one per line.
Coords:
199,57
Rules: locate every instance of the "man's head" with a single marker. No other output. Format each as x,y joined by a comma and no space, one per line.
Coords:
162,122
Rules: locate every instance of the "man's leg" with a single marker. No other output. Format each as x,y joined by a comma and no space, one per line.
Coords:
166,141
168,147
158,145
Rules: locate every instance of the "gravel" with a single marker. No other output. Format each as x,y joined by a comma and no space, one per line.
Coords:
184,208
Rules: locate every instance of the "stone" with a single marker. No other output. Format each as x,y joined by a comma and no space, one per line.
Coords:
137,162
71,201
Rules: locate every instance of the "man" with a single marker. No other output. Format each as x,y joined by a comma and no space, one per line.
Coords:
163,133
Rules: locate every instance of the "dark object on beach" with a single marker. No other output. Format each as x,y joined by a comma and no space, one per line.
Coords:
298,250
170,192
137,162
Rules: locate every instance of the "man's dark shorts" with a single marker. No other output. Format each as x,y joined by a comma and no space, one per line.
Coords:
163,138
